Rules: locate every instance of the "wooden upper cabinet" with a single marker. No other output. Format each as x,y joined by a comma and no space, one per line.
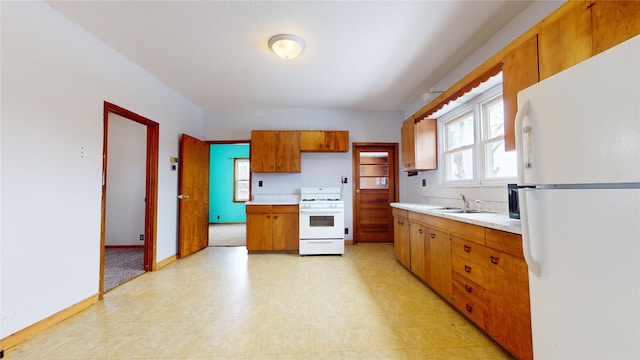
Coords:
408,145
614,22
324,141
519,71
419,145
275,151
565,41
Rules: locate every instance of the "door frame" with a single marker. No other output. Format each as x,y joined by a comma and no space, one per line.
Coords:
151,186
355,171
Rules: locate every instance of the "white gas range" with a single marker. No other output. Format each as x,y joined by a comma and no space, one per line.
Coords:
321,221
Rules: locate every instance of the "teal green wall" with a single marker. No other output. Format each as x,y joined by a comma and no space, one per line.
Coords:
222,209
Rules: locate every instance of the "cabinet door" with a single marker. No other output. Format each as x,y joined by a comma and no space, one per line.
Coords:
417,244
614,22
263,154
408,145
425,147
401,241
311,140
519,71
440,258
287,151
565,41
337,141
259,232
285,228
509,320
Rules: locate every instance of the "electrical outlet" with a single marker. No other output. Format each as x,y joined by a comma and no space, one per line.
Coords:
424,182
141,237
259,183
346,231
343,179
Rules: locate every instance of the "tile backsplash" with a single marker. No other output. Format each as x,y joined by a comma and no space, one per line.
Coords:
486,198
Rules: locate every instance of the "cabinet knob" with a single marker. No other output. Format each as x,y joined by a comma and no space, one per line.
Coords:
420,231
467,268
468,288
494,260
468,307
433,235
467,248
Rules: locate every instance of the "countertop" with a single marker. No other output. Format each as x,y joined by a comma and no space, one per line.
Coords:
486,219
274,200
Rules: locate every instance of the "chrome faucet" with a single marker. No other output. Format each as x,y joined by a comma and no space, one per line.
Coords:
465,203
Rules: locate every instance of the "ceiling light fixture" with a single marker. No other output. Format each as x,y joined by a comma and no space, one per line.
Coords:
286,46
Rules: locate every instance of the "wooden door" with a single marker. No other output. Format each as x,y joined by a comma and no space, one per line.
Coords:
375,172
193,184
288,151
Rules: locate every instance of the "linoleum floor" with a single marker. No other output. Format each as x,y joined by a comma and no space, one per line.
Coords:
221,303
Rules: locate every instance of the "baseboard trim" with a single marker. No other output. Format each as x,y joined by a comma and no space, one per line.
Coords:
124,246
34,329
348,242
166,261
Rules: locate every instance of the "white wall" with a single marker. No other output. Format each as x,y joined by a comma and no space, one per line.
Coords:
318,169
494,197
55,77
126,181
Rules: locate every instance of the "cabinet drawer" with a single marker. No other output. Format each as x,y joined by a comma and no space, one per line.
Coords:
470,250
504,241
471,271
475,311
284,209
471,289
258,209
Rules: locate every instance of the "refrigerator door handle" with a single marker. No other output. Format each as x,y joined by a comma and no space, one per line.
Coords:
523,141
532,263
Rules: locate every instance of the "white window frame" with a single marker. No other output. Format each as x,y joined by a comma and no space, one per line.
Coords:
474,105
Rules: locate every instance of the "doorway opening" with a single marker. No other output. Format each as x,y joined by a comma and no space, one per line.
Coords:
133,178
375,173
230,179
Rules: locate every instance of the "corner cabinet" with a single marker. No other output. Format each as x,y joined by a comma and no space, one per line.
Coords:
272,228
275,151
324,141
419,145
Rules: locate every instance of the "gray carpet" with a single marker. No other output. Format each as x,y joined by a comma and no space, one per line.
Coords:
122,265
227,235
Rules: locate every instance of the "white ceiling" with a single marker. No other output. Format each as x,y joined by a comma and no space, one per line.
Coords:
366,55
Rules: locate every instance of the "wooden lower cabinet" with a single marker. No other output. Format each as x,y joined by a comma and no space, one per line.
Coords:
480,271
272,228
440,263
420,260
401,237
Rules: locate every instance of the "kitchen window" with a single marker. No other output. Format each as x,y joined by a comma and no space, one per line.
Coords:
473,142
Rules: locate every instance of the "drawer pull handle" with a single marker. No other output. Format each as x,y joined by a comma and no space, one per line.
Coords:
420,231
468,288
467,248
468,307
467,268
433,235
494,260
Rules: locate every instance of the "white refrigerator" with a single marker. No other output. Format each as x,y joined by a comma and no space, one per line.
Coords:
578,144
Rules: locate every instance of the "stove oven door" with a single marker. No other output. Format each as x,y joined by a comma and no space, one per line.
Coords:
322,223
